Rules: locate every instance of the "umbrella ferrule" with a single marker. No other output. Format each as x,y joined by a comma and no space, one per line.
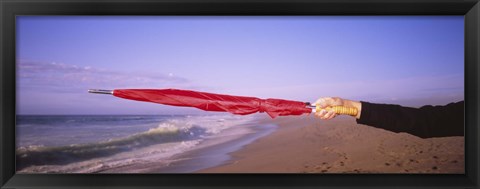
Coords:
312,106
100,91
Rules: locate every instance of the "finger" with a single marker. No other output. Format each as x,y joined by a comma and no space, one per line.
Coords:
329,114
324,102
332,116
320,102
321,113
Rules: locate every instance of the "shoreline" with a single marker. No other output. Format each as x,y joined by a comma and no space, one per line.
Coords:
214,155
210,153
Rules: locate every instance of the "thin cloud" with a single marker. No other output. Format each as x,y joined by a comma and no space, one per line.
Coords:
66,77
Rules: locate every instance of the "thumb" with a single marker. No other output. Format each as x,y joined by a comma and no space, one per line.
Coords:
323,102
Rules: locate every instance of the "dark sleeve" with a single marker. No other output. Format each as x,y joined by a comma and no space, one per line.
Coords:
426,121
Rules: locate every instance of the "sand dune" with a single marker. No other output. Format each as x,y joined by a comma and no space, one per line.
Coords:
308,145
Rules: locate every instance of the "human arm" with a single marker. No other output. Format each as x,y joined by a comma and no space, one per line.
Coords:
426,121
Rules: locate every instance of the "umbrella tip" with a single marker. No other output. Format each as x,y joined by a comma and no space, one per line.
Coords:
100,91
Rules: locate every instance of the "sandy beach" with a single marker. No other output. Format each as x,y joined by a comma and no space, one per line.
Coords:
305,144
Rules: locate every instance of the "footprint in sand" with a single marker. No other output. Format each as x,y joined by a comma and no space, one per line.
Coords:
322,168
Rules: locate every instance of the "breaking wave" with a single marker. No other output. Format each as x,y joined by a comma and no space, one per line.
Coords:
61,155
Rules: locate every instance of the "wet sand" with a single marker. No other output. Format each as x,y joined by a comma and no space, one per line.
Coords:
305,144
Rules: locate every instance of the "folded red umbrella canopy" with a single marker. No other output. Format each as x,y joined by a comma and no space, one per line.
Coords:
240,105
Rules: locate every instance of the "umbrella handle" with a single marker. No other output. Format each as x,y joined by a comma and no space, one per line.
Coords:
341,110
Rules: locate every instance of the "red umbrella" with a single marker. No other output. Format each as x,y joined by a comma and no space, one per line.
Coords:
240,105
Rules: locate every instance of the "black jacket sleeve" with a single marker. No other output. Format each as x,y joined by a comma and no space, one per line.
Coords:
425,122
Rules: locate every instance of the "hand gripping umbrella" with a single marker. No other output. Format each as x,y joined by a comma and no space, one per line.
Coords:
240,105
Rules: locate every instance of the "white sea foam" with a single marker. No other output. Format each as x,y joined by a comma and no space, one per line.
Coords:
157,144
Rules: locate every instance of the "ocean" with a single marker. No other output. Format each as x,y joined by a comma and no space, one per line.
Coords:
102,143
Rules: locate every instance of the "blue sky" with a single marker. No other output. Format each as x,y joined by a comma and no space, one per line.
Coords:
407,60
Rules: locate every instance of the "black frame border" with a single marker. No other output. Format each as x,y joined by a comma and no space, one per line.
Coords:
9,9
